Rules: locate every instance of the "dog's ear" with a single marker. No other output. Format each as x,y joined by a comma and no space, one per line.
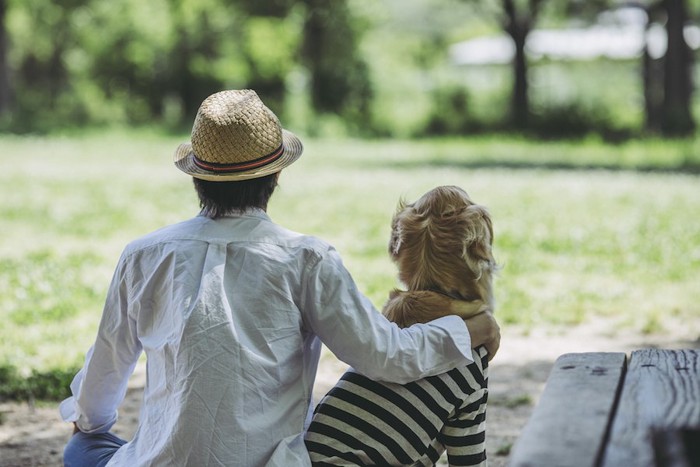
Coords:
478,240
395,239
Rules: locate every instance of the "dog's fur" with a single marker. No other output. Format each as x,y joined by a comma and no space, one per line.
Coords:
441,245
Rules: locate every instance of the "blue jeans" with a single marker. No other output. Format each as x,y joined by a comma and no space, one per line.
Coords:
91,450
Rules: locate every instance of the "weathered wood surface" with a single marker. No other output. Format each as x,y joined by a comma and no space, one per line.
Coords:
661,391
568,427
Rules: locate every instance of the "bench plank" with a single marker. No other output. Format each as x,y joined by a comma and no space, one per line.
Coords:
661,391
569,425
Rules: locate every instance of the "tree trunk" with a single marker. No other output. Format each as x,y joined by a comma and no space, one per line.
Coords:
517,25
520,102
677,117
5,90
327,92
652,82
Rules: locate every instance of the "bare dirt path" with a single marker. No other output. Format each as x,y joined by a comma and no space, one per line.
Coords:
34,436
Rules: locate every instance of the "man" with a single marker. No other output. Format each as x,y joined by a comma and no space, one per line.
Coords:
231,310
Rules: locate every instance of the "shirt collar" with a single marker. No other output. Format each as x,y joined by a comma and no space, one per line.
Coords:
257,213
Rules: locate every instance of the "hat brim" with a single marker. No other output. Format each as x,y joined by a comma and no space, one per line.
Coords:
292,149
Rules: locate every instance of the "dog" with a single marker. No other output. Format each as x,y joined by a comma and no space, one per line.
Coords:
442,246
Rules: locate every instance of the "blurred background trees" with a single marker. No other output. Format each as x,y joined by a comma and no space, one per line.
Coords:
391,68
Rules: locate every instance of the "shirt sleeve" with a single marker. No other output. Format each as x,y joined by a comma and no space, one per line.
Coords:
100,386
358,334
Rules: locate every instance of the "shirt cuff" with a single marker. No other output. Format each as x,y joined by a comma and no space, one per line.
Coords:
67,410
456,328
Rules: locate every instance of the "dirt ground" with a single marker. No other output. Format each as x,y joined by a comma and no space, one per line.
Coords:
34,435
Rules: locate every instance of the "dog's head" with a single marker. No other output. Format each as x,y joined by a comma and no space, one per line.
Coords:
443,242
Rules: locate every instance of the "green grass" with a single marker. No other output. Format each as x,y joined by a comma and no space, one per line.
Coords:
583,229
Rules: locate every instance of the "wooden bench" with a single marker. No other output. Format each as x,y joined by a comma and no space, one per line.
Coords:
603,410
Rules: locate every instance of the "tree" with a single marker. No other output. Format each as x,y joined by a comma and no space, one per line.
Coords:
194,54
667,81
518,22
339,77
517,19
667,87
5,90
42,87
650,70
128,61
678,81
266,36
652,73
326,44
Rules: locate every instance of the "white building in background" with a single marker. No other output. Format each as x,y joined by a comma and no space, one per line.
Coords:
619,35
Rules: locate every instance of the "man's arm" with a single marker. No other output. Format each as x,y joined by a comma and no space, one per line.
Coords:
101,384
422,306
358,334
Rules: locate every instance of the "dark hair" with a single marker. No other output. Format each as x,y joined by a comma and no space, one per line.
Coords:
220,198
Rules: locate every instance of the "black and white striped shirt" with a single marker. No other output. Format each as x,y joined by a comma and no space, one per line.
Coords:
365,422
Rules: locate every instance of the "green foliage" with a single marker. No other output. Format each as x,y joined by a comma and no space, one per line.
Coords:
328,67
576,120
451,113
53,385
269,8
131,62
43,85
269,46
339,76
271,61
128,60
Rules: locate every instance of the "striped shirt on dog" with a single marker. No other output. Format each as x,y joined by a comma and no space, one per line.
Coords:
365,422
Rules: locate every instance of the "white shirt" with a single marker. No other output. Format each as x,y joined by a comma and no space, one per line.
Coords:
231,314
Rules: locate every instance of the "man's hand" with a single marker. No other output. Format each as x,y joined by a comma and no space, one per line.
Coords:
468,309
484,330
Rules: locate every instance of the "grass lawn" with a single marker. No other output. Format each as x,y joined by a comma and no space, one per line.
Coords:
582,229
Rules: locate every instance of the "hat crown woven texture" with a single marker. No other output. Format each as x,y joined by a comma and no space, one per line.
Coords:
233,127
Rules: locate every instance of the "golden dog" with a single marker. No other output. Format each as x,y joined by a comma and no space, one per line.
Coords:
441,245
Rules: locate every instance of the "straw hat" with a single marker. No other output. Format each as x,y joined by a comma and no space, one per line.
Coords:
236,137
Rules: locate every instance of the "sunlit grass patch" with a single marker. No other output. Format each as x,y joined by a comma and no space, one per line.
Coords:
574,242
43,288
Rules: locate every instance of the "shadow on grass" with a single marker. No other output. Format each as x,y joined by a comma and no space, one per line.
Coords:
690,168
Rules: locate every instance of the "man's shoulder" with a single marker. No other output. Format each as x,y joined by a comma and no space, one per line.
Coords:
292,237
307,247
202,229
182,230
